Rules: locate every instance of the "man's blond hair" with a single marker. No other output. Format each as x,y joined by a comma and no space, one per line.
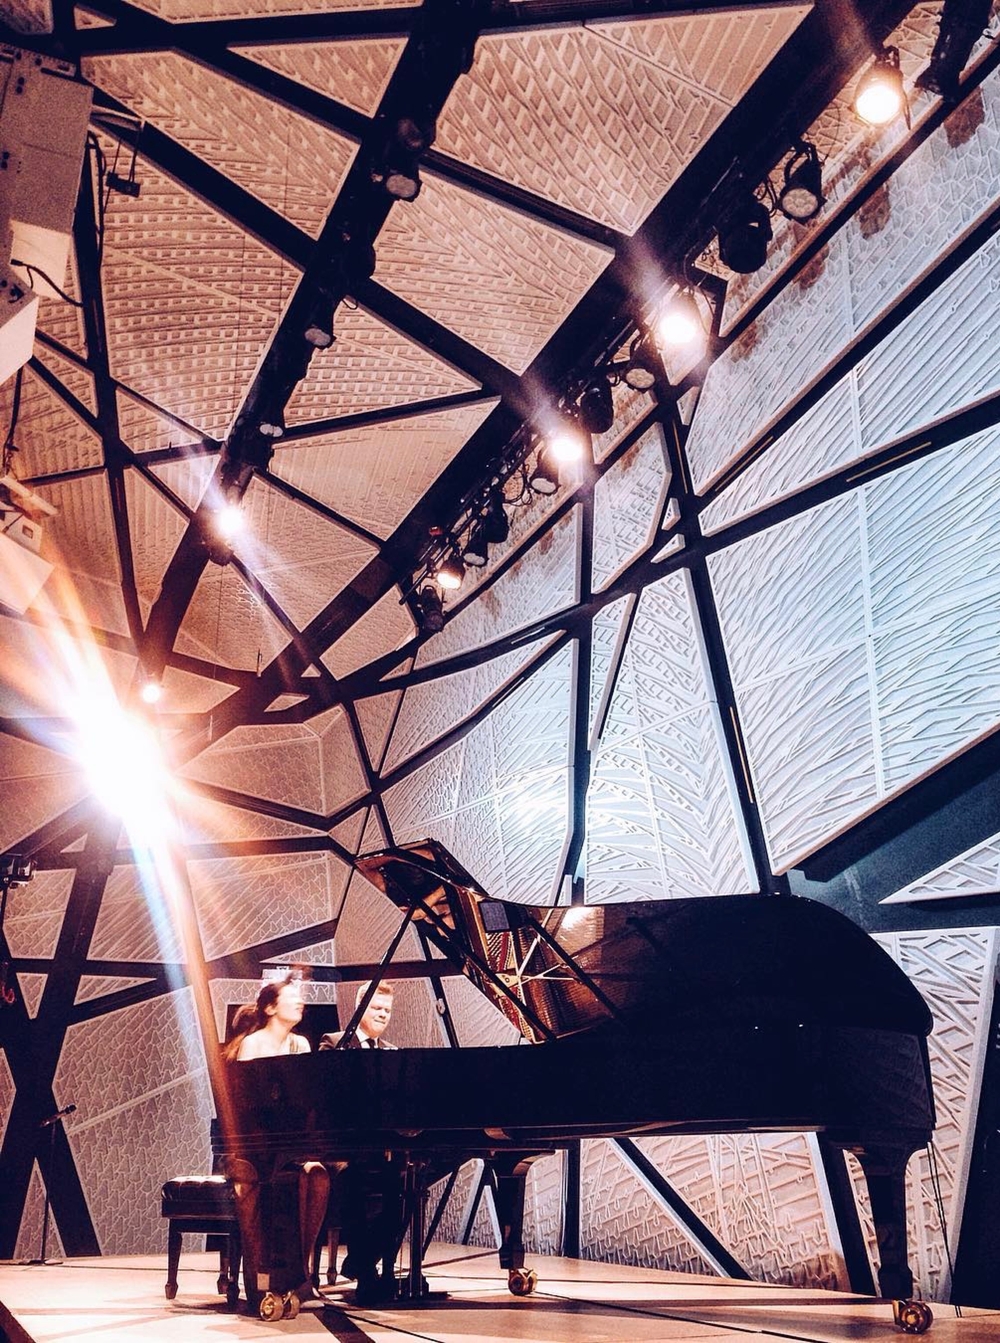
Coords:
384,986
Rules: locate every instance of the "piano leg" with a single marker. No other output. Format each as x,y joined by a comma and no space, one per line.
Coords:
884,1167
270,1216
510,1171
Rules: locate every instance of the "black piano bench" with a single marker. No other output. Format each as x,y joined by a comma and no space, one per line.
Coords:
203,1204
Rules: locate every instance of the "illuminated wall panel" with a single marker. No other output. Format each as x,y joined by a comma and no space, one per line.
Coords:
628,501
955,972
430,708
763,1197
661,818
139,1125
622,1222
859,636
498,799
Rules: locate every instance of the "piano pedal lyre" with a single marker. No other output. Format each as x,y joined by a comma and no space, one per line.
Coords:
912,1317
522,1281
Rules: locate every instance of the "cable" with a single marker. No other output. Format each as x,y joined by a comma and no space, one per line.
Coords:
935,1174
37,270
15,409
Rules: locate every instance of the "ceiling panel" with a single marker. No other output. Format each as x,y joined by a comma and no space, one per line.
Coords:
144,430
370,366
354,71
603,119
302,559
155,527
189,301
74,378
49,438
383,628
500,279
188,11
375,474
285,159
80,541
228,623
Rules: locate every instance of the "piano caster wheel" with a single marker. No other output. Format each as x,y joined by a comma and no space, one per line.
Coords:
913,1317
522,1281
290,1306
271,1307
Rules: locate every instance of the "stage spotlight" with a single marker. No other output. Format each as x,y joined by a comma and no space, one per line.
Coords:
879,97
960,24
477,551
414,134
544,479
151,691
680,323
450,572
229,521
567,440
495,517
596,406
643,367
430,610
401,177
744,234
319,332
801,197
272,425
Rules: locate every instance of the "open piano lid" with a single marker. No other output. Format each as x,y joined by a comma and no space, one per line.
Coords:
649,965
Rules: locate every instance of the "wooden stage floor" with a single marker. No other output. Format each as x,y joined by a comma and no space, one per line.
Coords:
122,1301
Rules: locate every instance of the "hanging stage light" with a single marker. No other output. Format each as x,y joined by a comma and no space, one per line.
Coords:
567,440
450,572
272,425
490,528
879,96
319,332
680,323
544,478
643,367
477,551
960,25
801,197
596,407
744,234
151,691
430,610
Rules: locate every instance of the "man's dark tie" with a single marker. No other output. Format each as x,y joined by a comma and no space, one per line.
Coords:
371,1043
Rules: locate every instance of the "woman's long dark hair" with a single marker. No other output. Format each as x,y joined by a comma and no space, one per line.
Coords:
253,1016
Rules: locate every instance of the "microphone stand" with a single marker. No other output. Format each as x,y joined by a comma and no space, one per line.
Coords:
50,1124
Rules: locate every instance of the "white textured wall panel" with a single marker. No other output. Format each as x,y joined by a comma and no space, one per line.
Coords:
763,1197
861,637
628,502
622,1222
499,798
156,1110
661,819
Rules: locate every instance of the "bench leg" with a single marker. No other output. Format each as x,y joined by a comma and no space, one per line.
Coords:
174,1236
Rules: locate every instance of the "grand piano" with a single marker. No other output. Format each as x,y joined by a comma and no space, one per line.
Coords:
736,1014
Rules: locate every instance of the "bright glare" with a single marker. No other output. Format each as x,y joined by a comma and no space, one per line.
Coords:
566,446
124,765
229,521
679,324
878,100
448,577
151,692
